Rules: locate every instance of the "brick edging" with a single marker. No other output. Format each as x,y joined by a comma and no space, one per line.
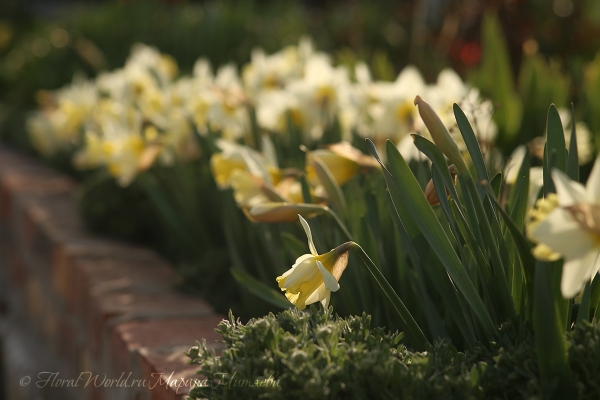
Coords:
103,308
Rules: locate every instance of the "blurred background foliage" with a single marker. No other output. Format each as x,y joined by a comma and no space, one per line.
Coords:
523,55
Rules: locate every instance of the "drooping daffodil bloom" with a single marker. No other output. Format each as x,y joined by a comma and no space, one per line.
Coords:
313,277
568,224
341,159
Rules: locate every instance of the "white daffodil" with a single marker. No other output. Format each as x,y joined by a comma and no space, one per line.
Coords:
318,94
271,72
313,277
227,111
393,112
568,224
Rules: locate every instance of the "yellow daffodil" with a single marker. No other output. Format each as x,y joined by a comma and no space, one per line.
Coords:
568,224
235,156
342,160
246,189
313,277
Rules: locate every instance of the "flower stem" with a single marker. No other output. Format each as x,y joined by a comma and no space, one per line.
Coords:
407,318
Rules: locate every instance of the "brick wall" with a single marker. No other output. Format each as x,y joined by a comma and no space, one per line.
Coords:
79,306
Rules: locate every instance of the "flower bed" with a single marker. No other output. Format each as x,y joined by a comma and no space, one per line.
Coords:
438,233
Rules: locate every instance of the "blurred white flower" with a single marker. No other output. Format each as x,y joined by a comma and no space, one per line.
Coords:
318,94
393,111
568,225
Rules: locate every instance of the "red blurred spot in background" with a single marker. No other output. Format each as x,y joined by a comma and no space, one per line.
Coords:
470,54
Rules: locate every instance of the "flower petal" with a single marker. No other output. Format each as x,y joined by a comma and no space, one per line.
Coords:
299,261
330,282
317,295
569,192
593,183
325,301
311,244
304,270
562,233
577,272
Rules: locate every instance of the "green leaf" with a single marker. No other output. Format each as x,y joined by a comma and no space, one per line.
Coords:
555,156
428,259
391,294
555,153
595,298
417,278
494,246
497,184
573,160
520,198
521,242
260,289
414,200
549,328
584,306
471,142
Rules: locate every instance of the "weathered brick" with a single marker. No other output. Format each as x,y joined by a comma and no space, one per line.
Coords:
128,337
167,372
104,275
124,306
67,252
32,181
18,269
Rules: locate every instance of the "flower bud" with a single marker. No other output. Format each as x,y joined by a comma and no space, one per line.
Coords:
430,192
441,136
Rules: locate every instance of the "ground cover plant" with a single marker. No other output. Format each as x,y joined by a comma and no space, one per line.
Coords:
267,358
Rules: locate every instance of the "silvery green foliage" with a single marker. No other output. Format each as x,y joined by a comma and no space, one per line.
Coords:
317,355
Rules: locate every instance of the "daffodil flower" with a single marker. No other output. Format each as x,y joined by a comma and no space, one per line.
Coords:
313,277
568,224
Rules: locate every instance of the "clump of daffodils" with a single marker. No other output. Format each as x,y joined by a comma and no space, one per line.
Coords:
130,118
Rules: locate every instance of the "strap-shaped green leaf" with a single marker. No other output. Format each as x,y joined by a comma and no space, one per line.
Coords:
573,158
521,242
414,200
548,325
471,141
260,289
428,258
555,152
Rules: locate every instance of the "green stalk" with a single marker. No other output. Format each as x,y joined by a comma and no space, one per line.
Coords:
584,307
409,321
